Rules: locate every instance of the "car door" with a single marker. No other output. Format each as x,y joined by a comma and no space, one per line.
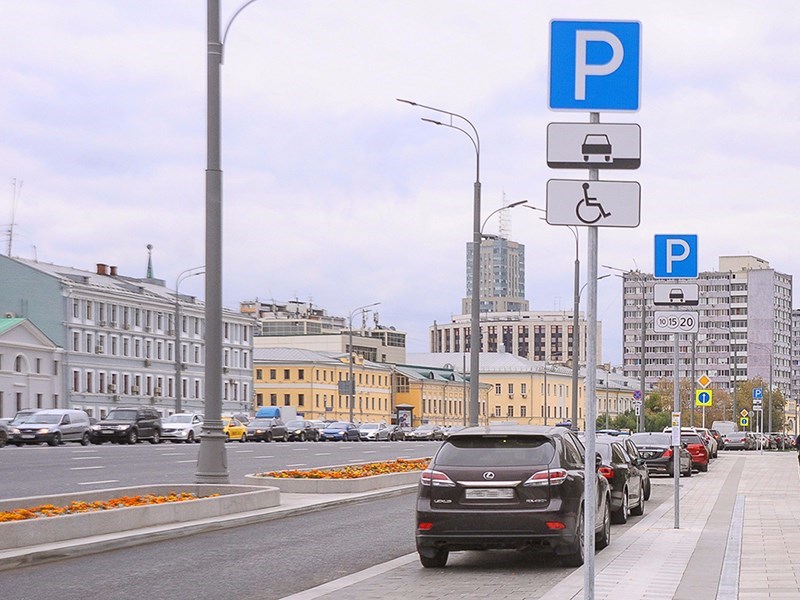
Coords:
67,428
624,461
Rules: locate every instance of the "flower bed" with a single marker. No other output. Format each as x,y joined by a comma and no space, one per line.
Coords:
343,479
77,506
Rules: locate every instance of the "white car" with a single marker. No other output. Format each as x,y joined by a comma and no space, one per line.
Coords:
182,427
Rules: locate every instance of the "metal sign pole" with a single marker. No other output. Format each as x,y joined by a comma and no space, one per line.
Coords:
676,438
590,472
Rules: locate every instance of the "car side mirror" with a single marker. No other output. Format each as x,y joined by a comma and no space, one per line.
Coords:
598,461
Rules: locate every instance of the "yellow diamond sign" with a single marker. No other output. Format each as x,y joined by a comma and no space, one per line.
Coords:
744,413
703,380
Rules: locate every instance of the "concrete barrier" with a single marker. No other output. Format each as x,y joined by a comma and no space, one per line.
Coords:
44,530
334,486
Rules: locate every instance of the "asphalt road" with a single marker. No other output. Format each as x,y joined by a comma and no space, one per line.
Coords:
40,470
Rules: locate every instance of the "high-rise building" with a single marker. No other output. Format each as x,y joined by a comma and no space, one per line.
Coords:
502,284
745,326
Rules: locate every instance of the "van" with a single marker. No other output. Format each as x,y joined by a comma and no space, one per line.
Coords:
54,426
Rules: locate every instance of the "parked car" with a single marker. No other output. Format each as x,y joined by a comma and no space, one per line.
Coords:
736,440
300,430
656,450
3,435
507,487
54,426
697,448
396,433
453,429
234,429
267,430
711,443
426,432
340,431
182,427
373,432
23,415
128,426
624,477
633,451
718,436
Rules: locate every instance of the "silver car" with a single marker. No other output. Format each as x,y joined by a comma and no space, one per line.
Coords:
182,427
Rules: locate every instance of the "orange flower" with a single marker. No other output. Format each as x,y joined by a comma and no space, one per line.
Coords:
353,472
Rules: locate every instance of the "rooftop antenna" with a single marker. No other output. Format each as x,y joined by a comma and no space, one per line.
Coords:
17,193
505,220
149,261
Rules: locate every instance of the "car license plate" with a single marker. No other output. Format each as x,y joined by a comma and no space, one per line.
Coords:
28,436
488,493
106,431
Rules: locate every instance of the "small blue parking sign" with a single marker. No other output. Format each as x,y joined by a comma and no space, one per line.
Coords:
675,256
758,393
595,65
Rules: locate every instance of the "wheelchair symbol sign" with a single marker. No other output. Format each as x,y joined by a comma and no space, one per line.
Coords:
593,203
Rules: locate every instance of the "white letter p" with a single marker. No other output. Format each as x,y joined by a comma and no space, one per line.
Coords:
683,245
582,70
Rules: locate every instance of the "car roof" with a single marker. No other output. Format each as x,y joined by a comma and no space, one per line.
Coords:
482,430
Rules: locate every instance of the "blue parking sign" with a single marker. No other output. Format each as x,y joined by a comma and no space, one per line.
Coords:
758,393
595,65
675,256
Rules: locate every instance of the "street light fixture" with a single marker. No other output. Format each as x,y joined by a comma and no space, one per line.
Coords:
576,333
352,383
494,212
475,321
178,355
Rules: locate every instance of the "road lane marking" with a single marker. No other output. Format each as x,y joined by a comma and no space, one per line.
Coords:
297,465
187,461
87,457
173,454
83,451
264,457
86,468
322,454
98,482
369,452
244,451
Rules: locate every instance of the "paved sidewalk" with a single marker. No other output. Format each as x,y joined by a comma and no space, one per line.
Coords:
739,538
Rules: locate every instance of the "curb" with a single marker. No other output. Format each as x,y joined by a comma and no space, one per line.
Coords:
32,555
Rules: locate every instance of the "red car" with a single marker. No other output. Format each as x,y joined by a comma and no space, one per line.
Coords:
697,449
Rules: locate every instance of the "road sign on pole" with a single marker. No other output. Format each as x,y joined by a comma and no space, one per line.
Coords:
675,256
593,203
703,397
676,294
595,65
668,321
594,146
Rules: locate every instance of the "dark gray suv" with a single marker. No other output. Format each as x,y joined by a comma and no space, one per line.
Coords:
128,426
515,487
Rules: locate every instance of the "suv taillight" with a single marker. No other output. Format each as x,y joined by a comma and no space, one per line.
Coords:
436,479
550,476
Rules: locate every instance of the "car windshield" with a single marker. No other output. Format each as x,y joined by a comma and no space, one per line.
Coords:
45,419
295,425
657,439
496,451
121,415
178,419
19,419
369,426
260,422
425,428
340,425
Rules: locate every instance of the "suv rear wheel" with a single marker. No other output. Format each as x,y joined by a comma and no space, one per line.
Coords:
576,557
156,439
133,437
436,560
604,538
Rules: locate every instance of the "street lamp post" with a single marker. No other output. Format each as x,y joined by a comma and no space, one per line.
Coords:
212,462
178,355
475,321
576,332
640,279
352,384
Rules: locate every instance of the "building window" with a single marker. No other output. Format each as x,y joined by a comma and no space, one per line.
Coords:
286,373
498,389
287,400
510,388
301,399
273,374
523,411
509,411
497,411
301,374
259,374
259,399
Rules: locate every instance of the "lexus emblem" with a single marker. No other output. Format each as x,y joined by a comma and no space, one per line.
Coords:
488,475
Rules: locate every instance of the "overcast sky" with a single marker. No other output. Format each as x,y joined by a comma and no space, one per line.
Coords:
336,193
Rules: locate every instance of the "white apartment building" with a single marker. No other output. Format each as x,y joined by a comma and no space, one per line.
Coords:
745,326
119,337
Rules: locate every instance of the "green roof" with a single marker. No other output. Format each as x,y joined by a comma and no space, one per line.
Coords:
6,324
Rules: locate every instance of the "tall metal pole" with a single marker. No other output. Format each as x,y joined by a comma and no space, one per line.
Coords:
352,383
212,462
576,332
178,355
475,304
590,472
643,352
545,392
691,386
676,439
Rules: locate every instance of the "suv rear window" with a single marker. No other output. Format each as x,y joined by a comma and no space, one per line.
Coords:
496,451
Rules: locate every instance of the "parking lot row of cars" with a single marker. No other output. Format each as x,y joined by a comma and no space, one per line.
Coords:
129,425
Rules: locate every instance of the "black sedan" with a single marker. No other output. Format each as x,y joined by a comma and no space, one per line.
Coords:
266,430
656,450
340,431
396,433
300,431
627,484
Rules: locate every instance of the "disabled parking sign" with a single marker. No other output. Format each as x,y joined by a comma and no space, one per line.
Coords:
595,65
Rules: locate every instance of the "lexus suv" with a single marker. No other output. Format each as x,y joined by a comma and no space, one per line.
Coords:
515,487
128,426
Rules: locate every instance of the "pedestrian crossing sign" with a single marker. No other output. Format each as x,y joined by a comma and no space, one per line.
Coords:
703,397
